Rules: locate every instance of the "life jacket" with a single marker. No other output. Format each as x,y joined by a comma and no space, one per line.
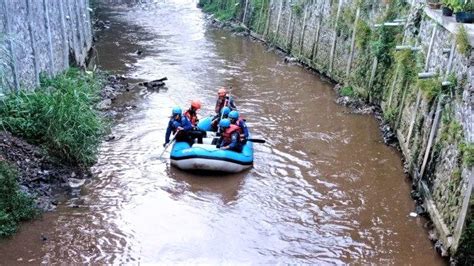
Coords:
220,103
191,116
227,134
241,130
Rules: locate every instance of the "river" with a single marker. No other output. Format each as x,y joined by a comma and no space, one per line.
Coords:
324,188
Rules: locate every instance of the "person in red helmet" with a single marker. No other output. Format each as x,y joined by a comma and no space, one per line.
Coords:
191,113
223,99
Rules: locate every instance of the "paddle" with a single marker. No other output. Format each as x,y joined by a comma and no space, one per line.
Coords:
252,140
168,144
257,140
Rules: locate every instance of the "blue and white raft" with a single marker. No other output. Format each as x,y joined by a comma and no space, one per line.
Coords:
208,157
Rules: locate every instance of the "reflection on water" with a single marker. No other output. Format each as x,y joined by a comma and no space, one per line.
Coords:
324,188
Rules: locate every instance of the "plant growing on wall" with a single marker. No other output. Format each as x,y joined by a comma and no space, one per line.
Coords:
297,9
430,87
462,41
455,5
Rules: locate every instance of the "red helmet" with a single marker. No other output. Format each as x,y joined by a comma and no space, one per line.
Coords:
196,104
222,92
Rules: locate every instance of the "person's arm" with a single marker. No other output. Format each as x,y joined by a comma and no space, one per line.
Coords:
217,106
186,124
232,103
219,142
233,141
168,132
245,129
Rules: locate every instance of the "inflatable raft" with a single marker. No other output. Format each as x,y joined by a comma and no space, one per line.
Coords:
208,157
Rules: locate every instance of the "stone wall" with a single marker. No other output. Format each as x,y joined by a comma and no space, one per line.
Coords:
355,44
41,37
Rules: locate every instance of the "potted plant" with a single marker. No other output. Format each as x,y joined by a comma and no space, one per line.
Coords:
434,4
465,13
448,7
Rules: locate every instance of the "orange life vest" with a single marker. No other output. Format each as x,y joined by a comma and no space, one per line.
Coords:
220,103
241,131
227,134
192,117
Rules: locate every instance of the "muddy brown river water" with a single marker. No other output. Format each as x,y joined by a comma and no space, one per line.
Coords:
324,188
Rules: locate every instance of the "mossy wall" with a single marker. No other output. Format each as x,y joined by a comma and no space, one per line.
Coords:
434,122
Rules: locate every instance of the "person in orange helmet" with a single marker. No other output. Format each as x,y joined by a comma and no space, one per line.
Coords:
191,113
224,99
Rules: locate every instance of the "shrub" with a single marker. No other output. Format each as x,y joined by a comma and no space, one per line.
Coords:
15,206
347,91
58,116
462,41
467,151
430,87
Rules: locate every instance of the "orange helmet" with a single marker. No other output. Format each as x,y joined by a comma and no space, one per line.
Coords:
221,92
196,104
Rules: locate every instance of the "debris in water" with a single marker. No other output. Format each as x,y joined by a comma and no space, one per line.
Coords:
76,183
104,104
154,84
420,210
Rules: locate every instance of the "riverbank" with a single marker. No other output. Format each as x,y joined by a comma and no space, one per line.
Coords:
364,47
50,139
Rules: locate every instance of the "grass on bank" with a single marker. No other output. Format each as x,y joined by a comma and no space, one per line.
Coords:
15,205
59,116
224,10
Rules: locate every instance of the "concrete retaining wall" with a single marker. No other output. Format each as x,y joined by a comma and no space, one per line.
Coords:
41,37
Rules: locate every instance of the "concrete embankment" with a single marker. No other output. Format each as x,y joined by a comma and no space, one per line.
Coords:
41,37
411,61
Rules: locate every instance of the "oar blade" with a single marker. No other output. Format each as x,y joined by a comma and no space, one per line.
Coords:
257,140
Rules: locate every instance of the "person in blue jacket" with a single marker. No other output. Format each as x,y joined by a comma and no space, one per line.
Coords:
216,119
234,119
230,136
180,125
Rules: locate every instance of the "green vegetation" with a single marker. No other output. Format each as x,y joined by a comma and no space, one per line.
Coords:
407,63
223,9
467,153
455,5
346,20
459,5
363,33
390,115
258,15
462,41
465,254
15,206
347,91
297,8
431,87
451,131
58,116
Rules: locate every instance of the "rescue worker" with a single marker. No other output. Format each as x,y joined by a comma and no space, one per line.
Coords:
244,131
230,136
178,124
191,113
216,119
224,99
